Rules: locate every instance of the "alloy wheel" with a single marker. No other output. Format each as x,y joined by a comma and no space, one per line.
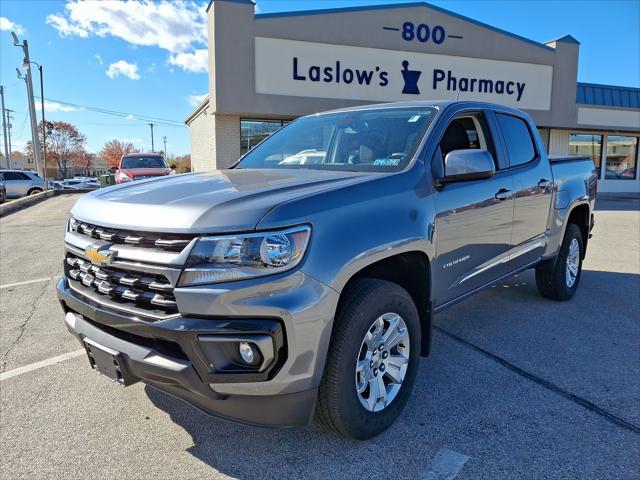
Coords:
382,362
573,263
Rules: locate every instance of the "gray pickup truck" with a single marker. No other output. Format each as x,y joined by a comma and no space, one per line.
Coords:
303,280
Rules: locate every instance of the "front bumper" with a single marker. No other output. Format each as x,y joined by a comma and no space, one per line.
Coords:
169,356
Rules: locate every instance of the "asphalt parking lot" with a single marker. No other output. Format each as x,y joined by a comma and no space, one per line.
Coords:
517,387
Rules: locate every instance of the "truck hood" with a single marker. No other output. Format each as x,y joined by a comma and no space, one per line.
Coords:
220,201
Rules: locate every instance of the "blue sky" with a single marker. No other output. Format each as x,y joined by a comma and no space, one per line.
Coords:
149,60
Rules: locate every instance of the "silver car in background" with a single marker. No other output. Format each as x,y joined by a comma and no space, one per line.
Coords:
19,183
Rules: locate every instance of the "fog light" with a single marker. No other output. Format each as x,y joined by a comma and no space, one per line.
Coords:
246,352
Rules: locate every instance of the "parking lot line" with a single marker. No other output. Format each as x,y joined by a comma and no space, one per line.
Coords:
592,407
445,466
27,282
37,365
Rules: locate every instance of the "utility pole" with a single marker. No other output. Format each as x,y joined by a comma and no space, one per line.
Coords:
32,106
27,65
4,130
164,139
9,127
152,148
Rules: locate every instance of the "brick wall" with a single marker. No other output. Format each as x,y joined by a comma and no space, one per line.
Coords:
227,135
215,141
201,129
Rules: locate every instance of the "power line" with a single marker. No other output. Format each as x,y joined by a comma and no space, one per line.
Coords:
145,118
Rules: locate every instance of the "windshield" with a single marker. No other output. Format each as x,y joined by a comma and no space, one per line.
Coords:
151,161
370,140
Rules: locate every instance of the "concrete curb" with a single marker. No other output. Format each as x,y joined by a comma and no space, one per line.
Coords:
24,202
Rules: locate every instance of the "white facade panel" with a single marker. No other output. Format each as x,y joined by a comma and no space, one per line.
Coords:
609,116
305,69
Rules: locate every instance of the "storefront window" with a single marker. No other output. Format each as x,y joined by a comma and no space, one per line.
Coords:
587,145
622,157
253,132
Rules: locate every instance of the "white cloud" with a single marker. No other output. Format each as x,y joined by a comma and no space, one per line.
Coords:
130,117
196,61
123,68
58,107
99,58
177,27
6,24
196,100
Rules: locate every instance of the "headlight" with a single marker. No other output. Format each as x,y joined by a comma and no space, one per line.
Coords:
226,258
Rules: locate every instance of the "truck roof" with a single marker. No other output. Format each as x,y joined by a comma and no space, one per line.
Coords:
440,104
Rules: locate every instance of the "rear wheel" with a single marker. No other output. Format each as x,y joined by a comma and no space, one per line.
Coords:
561,282
372,360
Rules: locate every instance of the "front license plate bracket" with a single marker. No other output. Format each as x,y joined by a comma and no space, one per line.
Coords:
108,362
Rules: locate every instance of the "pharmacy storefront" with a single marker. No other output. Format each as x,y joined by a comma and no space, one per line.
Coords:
268,69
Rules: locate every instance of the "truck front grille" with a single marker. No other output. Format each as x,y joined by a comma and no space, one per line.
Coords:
163,241
140,292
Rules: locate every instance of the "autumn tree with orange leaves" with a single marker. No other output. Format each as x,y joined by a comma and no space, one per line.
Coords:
113,151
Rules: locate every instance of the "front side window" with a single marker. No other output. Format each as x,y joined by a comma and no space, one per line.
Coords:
587,145
622,157
149,161
367,140
517,138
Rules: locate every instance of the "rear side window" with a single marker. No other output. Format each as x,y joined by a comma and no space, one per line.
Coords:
517,138
15,176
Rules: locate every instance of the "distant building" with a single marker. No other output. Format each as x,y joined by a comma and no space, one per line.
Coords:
268,69
19,161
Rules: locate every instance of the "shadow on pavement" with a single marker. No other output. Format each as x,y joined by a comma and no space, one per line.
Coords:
509,426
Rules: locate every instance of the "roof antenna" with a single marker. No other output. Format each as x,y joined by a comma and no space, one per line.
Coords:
458,95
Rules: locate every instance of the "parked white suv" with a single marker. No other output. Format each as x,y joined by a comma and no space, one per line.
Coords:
20,183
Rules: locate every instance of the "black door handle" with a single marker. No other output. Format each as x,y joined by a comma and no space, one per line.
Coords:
544,183
503,194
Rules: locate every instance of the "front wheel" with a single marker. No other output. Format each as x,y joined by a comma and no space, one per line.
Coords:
33,191
372,360
561,282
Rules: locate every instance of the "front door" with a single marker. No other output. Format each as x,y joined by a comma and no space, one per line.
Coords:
473,218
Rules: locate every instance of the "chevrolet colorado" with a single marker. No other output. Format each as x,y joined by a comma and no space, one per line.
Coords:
280,289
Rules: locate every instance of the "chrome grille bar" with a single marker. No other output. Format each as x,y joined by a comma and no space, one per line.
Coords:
161,241
145,291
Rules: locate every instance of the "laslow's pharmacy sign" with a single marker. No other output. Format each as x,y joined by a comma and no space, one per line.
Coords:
288,67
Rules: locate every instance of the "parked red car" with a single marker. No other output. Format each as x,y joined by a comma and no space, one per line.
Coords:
138,166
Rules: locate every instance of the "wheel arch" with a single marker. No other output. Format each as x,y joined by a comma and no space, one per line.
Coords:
410,270
580,215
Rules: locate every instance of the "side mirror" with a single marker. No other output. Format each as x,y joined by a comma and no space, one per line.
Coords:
465,165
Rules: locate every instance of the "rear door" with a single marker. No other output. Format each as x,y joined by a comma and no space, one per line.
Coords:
16,183
532,180
473,218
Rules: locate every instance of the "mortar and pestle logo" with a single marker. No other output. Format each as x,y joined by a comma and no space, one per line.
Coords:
411,78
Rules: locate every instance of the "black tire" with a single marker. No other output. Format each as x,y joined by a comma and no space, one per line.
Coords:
34,191
339,408
552,282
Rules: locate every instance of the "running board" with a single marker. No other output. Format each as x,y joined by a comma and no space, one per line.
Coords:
482,287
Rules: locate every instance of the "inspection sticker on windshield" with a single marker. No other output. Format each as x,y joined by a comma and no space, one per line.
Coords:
387,162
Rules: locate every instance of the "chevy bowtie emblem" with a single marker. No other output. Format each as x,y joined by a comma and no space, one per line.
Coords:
99,257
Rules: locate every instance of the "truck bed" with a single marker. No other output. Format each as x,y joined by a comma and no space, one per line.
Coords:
567,158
